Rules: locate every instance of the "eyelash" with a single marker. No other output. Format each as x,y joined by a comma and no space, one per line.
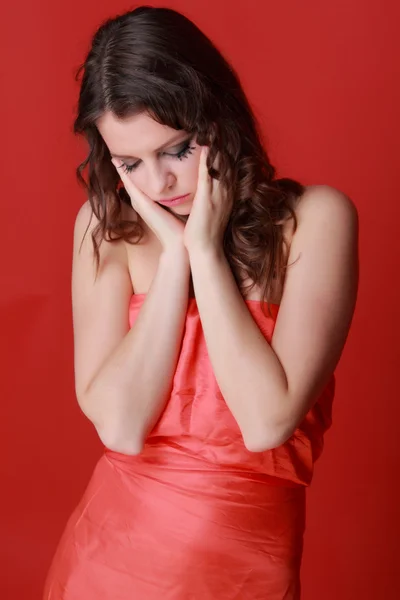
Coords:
184,153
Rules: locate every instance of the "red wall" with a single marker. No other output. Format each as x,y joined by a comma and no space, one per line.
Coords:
322,78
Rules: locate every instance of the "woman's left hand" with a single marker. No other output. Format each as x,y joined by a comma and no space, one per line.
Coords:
209,215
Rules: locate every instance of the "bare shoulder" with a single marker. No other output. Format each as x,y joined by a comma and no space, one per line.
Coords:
85,223
328,229
318,210
323,202
109,278
324,248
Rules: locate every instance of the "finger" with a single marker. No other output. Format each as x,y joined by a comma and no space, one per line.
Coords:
218,193
203,162
204,179
135,194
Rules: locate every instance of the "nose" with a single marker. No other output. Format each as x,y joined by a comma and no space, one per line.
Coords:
159,179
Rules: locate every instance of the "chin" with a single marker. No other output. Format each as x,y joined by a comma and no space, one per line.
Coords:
181,210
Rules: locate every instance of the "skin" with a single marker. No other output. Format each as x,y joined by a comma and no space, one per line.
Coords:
158,174
271,386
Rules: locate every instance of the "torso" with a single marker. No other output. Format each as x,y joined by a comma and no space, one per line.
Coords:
143,261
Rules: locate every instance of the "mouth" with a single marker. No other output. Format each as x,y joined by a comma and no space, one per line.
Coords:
174,201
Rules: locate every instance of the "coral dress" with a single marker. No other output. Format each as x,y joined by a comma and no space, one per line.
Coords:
195,516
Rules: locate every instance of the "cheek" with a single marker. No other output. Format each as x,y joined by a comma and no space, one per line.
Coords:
138,180
187,172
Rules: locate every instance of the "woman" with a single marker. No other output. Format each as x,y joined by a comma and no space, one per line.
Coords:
211,305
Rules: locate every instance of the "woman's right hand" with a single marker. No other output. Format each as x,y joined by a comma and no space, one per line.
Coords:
168,229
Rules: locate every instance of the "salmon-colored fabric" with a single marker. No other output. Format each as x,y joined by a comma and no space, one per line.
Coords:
196,516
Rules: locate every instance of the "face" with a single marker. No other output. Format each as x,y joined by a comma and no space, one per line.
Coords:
162,162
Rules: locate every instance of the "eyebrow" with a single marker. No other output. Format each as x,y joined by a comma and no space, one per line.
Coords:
171,141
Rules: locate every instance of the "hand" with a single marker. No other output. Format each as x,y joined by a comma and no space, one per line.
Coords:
210,211
168,229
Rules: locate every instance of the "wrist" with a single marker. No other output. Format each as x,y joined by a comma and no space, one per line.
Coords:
206,252
176,255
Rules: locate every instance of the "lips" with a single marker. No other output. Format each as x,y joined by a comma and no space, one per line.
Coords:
174,201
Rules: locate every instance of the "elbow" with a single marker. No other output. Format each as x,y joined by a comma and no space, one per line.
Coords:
267,438
118,438
116,442
113,434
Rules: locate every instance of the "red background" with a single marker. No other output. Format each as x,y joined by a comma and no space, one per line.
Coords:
323,79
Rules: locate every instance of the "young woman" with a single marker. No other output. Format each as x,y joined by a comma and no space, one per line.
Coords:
211,305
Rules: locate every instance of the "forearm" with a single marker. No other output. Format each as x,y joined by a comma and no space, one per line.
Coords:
128,394
247,370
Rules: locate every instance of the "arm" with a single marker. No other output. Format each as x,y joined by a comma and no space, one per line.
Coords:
123,377
271,387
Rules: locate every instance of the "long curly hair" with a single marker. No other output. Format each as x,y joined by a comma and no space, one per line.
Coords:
156,61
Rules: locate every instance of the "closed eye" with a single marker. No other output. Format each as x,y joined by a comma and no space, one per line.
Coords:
182,153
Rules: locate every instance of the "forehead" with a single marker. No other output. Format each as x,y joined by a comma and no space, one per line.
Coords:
137,135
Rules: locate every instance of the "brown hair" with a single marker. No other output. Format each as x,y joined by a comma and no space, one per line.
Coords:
157,61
